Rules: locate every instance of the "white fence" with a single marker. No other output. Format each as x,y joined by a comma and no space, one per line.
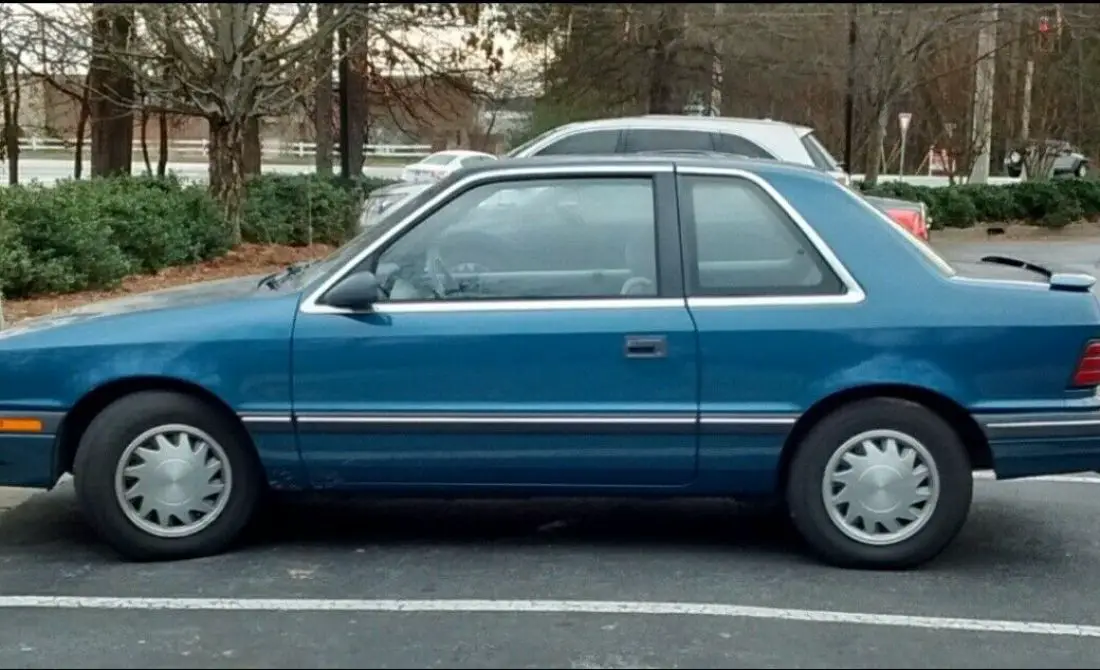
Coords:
201,147
273,150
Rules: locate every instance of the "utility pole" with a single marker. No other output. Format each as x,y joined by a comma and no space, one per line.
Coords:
984,75
850,95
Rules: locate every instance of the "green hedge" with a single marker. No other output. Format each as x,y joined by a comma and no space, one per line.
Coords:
1053,204
89,234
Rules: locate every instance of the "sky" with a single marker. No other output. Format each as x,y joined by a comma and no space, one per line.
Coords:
442,38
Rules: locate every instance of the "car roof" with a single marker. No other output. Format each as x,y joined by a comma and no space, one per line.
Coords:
681,121
459,152
761,166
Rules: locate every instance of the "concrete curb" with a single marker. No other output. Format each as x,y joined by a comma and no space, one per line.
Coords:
10,498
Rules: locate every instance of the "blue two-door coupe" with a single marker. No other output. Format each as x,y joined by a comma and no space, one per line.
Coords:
715,328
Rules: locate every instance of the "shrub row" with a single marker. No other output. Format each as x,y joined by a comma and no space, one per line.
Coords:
1053,204
89,234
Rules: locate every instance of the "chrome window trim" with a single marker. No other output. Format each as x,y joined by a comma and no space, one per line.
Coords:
309,304
854,292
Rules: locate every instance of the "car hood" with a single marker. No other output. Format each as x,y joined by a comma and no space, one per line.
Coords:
180,296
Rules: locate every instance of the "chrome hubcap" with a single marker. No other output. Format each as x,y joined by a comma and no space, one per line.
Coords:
173,481
881,487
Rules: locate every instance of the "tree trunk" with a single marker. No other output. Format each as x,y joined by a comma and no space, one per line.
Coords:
353,97
112,93
322,102
253,147
662,76
145,140
878,137
227,170
162,144
9,100
81,128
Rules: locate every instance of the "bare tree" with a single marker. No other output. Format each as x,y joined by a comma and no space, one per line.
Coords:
230,63
323,99
111,88
15,40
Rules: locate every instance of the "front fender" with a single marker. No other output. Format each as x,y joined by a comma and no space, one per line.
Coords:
240,352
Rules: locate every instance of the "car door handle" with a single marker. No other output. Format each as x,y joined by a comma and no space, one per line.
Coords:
646,346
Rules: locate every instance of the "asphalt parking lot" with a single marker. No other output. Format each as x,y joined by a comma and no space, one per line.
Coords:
562,584
578,584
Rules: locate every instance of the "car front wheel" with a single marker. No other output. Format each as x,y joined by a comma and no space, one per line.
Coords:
882,483
163,475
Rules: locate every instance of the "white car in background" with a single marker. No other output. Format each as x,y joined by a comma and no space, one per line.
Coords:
435,166
752,138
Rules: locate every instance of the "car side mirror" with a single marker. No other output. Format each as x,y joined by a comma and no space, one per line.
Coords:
356,291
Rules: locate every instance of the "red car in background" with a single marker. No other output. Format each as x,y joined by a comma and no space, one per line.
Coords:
912,216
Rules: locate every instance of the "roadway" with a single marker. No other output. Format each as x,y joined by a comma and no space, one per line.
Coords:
580,584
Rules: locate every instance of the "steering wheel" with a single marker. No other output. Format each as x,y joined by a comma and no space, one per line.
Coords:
638,286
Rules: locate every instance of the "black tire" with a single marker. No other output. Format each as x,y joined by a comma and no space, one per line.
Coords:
107,438
804,491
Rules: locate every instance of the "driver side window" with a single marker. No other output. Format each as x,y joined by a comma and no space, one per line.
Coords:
527,240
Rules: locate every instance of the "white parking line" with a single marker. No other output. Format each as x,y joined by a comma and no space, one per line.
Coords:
986,475
549,607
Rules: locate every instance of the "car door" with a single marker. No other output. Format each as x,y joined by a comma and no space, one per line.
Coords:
465,375
766,302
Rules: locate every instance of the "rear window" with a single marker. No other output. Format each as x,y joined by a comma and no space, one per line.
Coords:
438,159
818,153
474,160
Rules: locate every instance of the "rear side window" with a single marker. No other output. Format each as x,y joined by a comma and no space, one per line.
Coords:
746,245
593,142
739,146
668,140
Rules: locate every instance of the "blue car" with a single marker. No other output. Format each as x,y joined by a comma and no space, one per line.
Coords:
650,326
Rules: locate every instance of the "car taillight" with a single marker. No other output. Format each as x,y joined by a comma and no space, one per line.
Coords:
1088,368
910,220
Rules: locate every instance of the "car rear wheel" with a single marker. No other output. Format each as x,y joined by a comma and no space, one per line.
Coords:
882,483
163,475
1082,171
